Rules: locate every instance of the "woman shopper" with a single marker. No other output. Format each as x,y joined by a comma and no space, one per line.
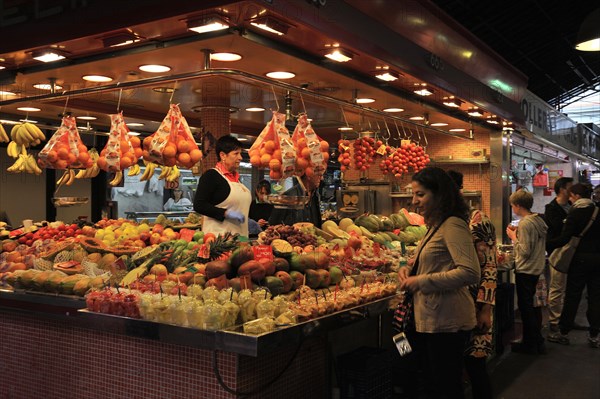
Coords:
584,270
529,242
260,209
178,203
221,197
480,344
446,265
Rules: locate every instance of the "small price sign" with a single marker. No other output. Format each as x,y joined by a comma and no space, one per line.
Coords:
262,252
186,234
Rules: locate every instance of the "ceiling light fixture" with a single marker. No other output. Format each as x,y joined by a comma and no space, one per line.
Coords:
29,109
97,78
422,89
416,118
364,100
28,121
133,133
493,119
8,122
280,75
344,128
271,24
163,90
47,86
475,111
588,37
225,57
452,102
393,109
119,39
154,68
5,64
255,109
338,54
208,23
7,93
87,118
458,129
439,124
387,75
48,55
134,124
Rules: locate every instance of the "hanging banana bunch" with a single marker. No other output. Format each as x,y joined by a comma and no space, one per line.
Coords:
66,179
27,134
149,172
134,170
25,163
3,136
93,170
117,179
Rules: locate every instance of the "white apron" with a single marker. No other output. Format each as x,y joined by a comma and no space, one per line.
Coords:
239,199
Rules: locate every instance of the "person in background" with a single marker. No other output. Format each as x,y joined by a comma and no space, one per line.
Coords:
584,269
480,344
555,214
311,211
221,197
529,242
596,195
178,203
260,210
447,265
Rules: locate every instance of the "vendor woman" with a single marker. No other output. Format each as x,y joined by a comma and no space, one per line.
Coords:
221,197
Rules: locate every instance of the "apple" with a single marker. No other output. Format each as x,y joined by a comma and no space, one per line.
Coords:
158,228
160,271
155,238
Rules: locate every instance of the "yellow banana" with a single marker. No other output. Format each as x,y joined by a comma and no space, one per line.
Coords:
173,175
26,136
70,178
13,133
22,149
35,131
117,179
3,136
164,172
81,174
11,150
31,165
134,170
18,166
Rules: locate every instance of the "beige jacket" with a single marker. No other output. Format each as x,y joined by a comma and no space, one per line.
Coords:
448,264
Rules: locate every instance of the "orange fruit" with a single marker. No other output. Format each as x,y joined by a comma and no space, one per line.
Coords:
125,162
184,158
124,146
264,160
275,175
71,158
170,150
52,156
81,148
195,155
83,157
324,146
138,152
309,172
145,154
101,162
305,153
269,146
147,141
255,161
60,164
253,152
301,143
275,164
326,156
170,161
262,151
135,141
301,163
277,154
63,153
183,146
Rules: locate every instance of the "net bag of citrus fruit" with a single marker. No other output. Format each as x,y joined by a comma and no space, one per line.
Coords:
65,148
173,143
274,149
312,153
121,150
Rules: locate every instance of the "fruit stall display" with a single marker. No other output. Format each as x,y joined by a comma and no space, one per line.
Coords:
186,277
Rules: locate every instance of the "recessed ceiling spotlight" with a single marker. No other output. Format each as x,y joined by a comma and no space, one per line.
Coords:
7,93
344,128
163,90
387,75
48,55
422,89
97,78
271,24
393,109
29,109
226,57
438,124
134,124
154,68
339,54
47,86
87,118
457,130
119,39
255,109
475,111
208,23
451,101
280,75
364,100
416,118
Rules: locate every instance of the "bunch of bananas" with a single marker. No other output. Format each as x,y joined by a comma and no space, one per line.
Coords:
91,171
134,170
117,179
66,179
25,163
3,136
27,134
149,172
169,173
14,150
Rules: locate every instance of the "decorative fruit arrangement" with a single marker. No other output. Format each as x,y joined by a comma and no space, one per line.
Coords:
273,149
65,148
173,143
403,159
312,153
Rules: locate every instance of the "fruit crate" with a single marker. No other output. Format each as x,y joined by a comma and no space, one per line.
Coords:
365,373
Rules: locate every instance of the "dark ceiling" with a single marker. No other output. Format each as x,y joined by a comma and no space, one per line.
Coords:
538,38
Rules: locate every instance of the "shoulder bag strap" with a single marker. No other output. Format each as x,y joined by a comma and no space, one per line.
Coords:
589,223
413,271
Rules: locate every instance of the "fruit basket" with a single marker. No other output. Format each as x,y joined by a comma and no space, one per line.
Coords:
287,201
69,201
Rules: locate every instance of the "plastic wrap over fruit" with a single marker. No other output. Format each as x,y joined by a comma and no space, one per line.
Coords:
274,149
65,148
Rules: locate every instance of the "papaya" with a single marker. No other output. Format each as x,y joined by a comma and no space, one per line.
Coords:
52,282
297,279
217,268
82,286
368,223
274,284
388,225
68,283
303,262
219,283
286,280
282,248
37,283
281,265
254,269
240,256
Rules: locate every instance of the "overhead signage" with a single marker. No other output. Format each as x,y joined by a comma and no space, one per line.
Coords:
544,121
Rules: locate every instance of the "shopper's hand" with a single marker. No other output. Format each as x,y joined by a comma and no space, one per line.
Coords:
410,284
235,215
262,222
403,274
511,233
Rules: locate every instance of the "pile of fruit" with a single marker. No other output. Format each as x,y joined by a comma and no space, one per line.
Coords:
273,149
407,157
312,153
291,234
65,148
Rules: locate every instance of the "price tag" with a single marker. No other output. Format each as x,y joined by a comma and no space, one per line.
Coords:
186,234
262,252
381,150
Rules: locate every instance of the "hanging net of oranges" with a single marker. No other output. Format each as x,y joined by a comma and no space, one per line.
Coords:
312,153
121,150
65,148
274,149
173,143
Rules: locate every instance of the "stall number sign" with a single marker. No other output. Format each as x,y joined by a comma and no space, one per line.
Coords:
172,185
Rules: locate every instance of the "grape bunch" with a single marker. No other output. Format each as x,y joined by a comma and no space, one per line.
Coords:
290,234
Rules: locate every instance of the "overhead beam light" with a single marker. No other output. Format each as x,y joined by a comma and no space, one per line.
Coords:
422,89
7,93
493,119
280,75
387,75
208,23
97,78
154,68
118,39
271,24
393,109
255,109
588,37
475,111
87,118
364,100
452,102
47,86
339,54
29,109
48,55
439,124
225,57
344,128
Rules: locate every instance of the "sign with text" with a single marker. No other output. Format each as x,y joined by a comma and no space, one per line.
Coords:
262,252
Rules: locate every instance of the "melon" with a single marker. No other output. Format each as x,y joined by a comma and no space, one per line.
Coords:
344,223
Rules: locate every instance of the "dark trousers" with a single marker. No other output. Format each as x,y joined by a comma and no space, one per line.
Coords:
531,317
476,367
582,272
440,358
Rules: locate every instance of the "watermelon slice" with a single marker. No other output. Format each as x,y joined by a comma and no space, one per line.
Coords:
413,218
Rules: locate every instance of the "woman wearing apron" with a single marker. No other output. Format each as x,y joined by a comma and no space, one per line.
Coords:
220,196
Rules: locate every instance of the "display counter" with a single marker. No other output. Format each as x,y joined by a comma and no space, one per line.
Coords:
69,347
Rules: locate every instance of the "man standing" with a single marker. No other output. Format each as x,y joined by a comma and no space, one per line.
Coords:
529,241
555,215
